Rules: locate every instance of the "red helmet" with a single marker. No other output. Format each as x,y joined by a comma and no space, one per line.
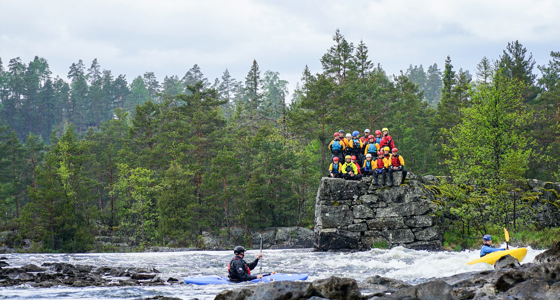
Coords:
335,134
353,157
380,153
378,132
335,158
370,137
395,150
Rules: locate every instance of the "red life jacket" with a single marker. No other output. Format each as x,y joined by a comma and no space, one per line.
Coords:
230,270
380,163
395,161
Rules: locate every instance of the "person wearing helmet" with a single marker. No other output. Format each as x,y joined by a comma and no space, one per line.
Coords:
368,166
397,165
357,165
371,147
347,144
378,136
355,146
487,246
387,140
341,134
364,139
335,169
380,167
238,269
349,170
337,147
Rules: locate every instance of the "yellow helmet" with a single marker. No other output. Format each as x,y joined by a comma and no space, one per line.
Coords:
347,157
385,129
386,148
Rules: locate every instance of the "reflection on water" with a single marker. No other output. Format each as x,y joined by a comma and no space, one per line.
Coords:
400,263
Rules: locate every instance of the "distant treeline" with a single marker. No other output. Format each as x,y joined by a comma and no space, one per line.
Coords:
95,155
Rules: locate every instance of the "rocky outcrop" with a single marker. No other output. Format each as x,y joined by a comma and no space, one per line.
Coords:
550,255
358,215
528,281
53,274
330,288
506,261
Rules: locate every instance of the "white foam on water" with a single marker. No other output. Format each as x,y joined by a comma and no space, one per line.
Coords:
399,263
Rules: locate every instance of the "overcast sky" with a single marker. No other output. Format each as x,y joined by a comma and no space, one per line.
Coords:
168,37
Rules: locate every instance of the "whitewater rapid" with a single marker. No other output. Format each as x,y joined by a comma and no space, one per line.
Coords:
399,263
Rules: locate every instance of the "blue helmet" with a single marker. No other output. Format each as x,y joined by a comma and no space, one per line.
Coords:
487,238
355,133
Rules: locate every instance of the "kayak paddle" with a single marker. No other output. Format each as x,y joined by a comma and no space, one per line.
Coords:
507,237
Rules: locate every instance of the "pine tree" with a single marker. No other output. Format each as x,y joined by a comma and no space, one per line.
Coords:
338,62
484,71
432,91
362,64
152,85
516,64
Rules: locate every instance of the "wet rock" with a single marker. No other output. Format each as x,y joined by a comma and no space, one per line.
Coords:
337,288
24,277
143,276
33,268
379,286
171,279
506,261
549,256
272,290
159,297
3,264
431,290
532,289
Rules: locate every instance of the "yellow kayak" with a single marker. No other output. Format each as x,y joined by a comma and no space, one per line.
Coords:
491,258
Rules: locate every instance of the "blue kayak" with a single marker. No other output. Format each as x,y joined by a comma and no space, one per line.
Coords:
204,280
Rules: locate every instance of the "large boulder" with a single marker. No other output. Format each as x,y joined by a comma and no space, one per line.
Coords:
431,290
334,288
337,288
285,290
379,286
506,261
549,256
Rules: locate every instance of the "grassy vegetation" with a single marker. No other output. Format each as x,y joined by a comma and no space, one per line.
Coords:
544,238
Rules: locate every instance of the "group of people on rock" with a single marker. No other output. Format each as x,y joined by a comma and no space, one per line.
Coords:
354,157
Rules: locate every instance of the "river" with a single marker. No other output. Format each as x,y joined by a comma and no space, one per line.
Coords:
400,263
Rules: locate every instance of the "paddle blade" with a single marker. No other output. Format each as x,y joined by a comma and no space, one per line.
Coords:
507,235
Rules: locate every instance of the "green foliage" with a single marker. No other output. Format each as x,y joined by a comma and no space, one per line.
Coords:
150,163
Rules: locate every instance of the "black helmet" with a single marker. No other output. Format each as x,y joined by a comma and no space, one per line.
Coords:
238,250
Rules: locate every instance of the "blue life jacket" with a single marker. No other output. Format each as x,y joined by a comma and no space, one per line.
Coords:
356,144
378,140
335,167
336,146
489,249
368,165
372,150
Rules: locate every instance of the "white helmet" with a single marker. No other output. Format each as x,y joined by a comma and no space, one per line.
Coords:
367,130
368,155
348,135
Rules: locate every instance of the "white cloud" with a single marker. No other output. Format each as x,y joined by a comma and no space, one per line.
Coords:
168,37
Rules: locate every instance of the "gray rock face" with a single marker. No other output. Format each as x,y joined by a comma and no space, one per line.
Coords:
549,256
330,288
379,286
431,290
353,215
506,261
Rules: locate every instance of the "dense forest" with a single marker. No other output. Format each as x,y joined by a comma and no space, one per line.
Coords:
93,154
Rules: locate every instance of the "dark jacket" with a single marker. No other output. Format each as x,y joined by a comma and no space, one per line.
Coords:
239,270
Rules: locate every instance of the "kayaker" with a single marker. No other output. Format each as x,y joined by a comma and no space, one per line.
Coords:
488,248
238,269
